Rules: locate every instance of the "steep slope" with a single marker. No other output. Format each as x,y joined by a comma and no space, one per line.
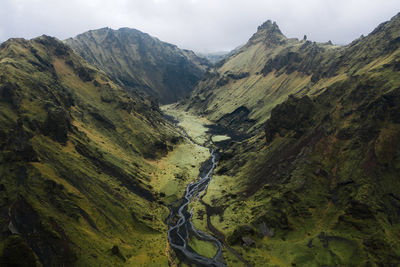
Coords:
77,163
138,61
317,183
263,73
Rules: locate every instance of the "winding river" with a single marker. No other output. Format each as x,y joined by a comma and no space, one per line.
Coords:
180,227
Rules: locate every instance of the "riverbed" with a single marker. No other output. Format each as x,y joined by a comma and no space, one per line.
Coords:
198,242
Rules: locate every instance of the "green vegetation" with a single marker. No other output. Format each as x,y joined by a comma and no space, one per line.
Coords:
316,181
277,66
172,173
308,140
140,62
82,163
195,126
203,248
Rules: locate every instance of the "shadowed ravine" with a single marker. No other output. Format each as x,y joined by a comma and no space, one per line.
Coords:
180,227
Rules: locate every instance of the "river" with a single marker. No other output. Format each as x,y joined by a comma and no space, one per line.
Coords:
180,227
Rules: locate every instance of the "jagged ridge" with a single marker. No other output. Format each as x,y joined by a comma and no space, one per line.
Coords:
276,66
138,61
316,183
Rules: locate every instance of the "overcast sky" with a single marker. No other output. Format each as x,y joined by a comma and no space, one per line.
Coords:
201,25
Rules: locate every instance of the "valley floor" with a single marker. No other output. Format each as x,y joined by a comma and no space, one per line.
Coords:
245,225
197,133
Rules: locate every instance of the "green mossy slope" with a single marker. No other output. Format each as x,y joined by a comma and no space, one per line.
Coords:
75,162
270,67
318,183
140,62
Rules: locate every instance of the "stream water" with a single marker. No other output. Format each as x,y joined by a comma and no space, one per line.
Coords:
180,227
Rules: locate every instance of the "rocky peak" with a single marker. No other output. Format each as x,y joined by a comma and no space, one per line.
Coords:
268,33
270,26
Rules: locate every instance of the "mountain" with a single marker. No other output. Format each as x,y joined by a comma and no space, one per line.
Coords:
214,57
310,176
138,61
262,73
76,162
306,135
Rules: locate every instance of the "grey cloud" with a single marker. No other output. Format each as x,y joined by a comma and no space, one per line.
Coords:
202,25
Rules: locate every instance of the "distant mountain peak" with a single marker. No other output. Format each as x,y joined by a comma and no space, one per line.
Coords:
270,27
140,62
268,33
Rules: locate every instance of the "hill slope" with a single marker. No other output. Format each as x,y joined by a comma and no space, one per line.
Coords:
316,181
310,176
76,163
138,61
271,66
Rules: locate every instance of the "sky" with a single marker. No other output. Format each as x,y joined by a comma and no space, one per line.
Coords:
200,25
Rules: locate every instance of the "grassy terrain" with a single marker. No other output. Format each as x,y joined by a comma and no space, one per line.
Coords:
140,62
198,133
194,125
317,182
203,248
172,173
309,176
86,170
271,66
320,194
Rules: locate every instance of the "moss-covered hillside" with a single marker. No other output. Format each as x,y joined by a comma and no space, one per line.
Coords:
271,66
76,163
138,61
318,184
308,140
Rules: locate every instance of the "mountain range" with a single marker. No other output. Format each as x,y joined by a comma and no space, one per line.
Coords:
140,62
318,157
307,136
